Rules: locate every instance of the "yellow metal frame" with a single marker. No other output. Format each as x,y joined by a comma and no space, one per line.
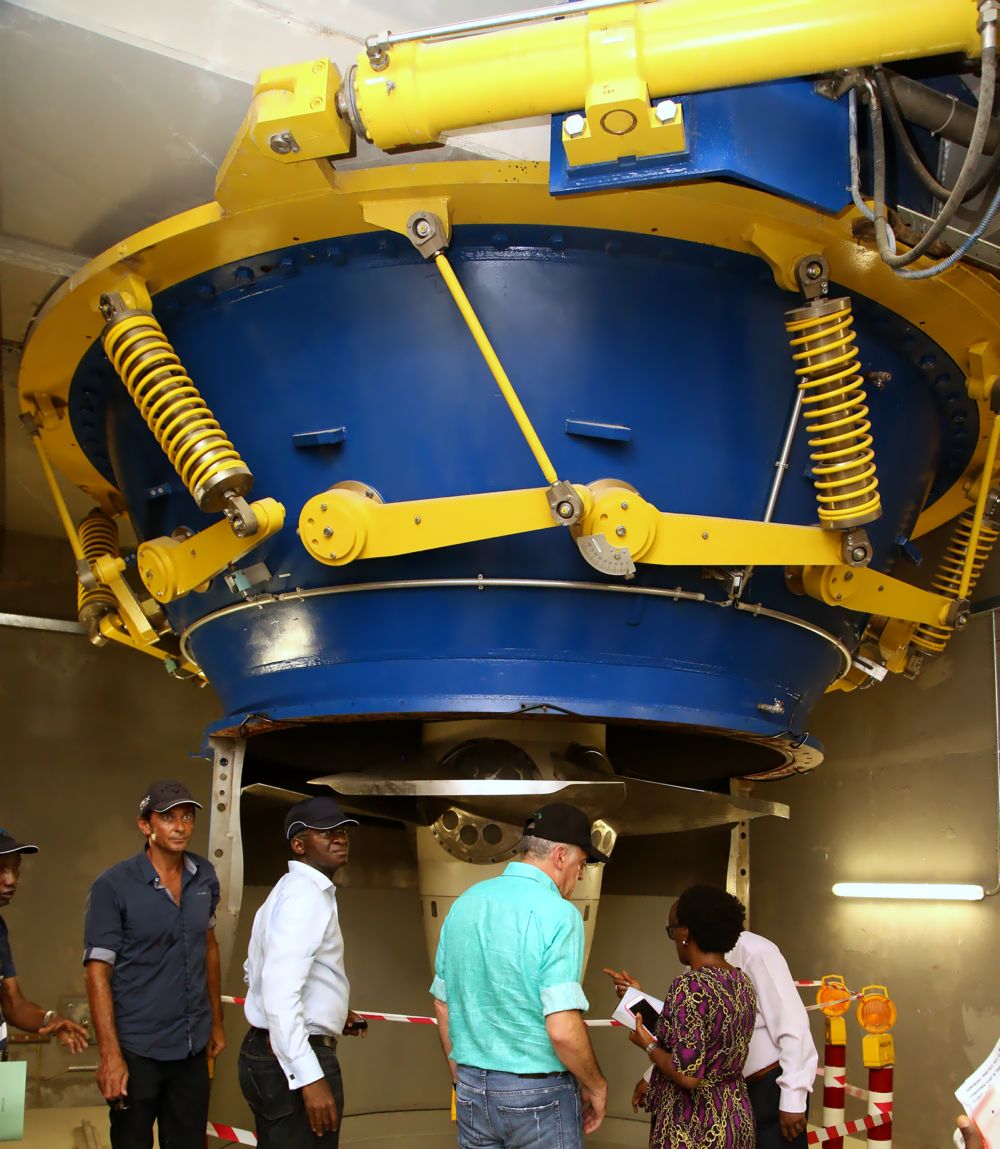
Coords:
959,311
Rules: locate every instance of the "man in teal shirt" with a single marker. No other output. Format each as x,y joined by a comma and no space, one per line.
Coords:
508,997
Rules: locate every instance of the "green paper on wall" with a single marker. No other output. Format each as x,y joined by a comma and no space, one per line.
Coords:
13,1076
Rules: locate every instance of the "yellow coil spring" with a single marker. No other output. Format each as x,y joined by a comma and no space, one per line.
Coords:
98,535
834,404
187,431
948,577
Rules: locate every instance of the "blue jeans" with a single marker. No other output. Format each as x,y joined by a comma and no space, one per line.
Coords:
504,1111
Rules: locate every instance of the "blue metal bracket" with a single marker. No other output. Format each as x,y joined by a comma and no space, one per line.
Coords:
781,137
617,432
328,438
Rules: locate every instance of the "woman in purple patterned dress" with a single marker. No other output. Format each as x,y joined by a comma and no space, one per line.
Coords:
697,1096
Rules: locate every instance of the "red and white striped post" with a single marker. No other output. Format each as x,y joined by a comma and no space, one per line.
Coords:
880,1104
877,1014
834,1077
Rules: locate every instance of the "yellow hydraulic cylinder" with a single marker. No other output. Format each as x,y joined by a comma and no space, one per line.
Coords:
425,88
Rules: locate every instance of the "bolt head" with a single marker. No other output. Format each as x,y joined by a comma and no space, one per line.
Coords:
666,111
327,532
620,531
624,506
814,270
564,509
574,126
859,554
281,143
422,228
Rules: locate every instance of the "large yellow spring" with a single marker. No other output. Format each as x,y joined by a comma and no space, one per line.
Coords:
948,577
833,401
188,432
98,534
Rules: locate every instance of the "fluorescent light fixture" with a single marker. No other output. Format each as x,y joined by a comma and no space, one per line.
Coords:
913,891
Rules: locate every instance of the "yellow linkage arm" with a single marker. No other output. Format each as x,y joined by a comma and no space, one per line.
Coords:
172,568
342,524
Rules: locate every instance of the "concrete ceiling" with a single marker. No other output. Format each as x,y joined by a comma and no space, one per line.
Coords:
115,114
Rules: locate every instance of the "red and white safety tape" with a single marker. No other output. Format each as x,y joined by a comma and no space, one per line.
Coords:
234,1136
847,1128
409,1018
231,1135
841,1082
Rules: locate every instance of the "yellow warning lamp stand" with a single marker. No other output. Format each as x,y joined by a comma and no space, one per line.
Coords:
834,999
877,1014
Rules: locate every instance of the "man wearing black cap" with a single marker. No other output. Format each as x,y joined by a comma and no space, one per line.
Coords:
508,997
152,965
14,1006
297,1000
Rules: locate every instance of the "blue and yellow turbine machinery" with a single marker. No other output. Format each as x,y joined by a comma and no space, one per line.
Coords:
745,395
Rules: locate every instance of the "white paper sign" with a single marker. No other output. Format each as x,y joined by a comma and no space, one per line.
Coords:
979,1095
624,1011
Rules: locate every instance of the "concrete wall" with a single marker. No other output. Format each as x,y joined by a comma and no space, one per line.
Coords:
908,792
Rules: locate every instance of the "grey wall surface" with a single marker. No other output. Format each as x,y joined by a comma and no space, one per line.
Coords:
908,792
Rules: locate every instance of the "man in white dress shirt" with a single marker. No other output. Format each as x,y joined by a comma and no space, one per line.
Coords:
297,1000
781,1065
780,1068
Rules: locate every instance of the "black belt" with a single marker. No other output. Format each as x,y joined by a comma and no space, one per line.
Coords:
323,1040
536,1076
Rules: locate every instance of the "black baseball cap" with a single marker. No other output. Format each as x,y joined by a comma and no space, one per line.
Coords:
322,813
560,822
10,845
163,796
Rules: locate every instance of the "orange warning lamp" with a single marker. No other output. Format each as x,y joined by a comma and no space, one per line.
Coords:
833,997
876,1012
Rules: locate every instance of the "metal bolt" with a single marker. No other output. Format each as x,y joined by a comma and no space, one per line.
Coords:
283,143
574,126
704,534
624,506
147,575
620,531
564,509
416,519
322,506
848,575
327,532
666,111
859,554
814,270
422,228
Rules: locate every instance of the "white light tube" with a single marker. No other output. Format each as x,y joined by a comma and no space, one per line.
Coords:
914,891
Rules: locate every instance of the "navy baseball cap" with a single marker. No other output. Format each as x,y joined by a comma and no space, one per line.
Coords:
10,845
322,813
560,822
163,796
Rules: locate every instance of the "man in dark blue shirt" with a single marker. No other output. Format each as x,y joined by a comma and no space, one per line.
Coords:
152,965
14,1006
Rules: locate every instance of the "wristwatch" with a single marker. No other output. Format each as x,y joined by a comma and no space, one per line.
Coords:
50,1016
649,1048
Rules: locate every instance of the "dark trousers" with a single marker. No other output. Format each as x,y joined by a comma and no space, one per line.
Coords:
765,1097
174,1094
279,1111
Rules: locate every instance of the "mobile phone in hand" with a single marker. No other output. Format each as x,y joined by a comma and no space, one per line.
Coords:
646,1012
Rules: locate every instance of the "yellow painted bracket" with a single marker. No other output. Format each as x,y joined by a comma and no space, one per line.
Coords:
110,570
172,568
782,250
871,592
292,118
984,371
395,214
342,524
110,627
